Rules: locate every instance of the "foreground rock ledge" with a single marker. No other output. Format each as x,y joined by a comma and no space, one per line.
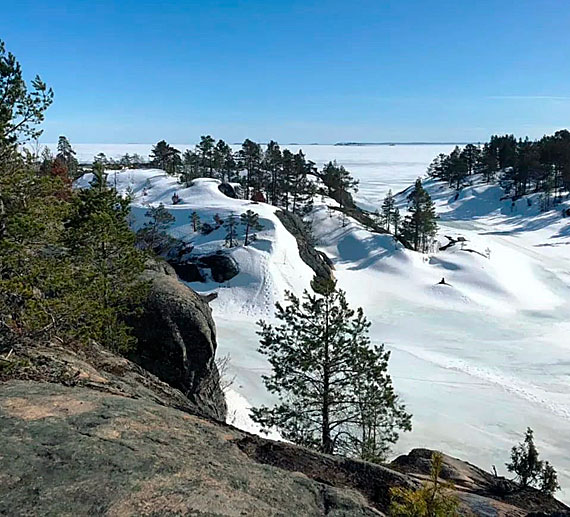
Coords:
74,450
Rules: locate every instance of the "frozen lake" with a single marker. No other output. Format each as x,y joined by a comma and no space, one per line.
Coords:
473,377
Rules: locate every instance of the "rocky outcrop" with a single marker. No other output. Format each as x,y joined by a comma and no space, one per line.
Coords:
85,432
84,449
228,190
316,260
77,451
219,266
177,340
480,491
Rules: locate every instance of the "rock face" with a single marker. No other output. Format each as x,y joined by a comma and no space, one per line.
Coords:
317,261
177,341
196,268
85,432
86,449
222,266
71,451
227,190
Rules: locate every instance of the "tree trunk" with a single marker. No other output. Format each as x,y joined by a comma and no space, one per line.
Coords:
327,443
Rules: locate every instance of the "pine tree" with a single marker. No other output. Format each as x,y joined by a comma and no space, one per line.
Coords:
153,233
388,210
250,159
110,266
195,218
251,222
396,218
66,156
46,162
322,369
99,180
420,226
22,108
231,227
206,150
548,481
457,167
489,163
224,161
432,500
524,460
166,157
190,167
470,156
338,182
273,163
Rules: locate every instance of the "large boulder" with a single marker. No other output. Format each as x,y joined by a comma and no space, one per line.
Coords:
219,266
222,266
177,340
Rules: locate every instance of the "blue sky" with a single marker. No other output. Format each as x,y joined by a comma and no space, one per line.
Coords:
296,71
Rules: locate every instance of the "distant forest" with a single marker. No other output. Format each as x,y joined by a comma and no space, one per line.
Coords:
522,166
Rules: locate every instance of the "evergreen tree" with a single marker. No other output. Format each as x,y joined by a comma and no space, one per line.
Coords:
251,222
420,226
46,162
439,168
338,182
153,233
206,151
99,181
231,227
21,108
68,266
301,190
489,163
388,210
287,173
110,266
195,219
273,163
457,167
548,481
190,167
323,368
524,460
432,500
396,218
101,158
66,156
166,157
250,160
470,155
529,469
224,161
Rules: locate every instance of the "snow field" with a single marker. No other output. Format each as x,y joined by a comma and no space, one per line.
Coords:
476,361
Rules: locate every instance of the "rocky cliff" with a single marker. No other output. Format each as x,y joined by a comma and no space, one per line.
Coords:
177,340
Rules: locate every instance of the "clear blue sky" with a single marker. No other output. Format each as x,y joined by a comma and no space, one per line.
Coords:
297,71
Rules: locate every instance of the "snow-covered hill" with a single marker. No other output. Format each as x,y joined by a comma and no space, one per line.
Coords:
476,361
268,266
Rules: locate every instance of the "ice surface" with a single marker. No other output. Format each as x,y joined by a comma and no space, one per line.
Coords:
476,361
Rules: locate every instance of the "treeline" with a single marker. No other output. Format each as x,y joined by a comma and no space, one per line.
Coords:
273,175
524,166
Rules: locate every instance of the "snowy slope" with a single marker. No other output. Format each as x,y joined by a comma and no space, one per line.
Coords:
476,361
483,358
268,266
